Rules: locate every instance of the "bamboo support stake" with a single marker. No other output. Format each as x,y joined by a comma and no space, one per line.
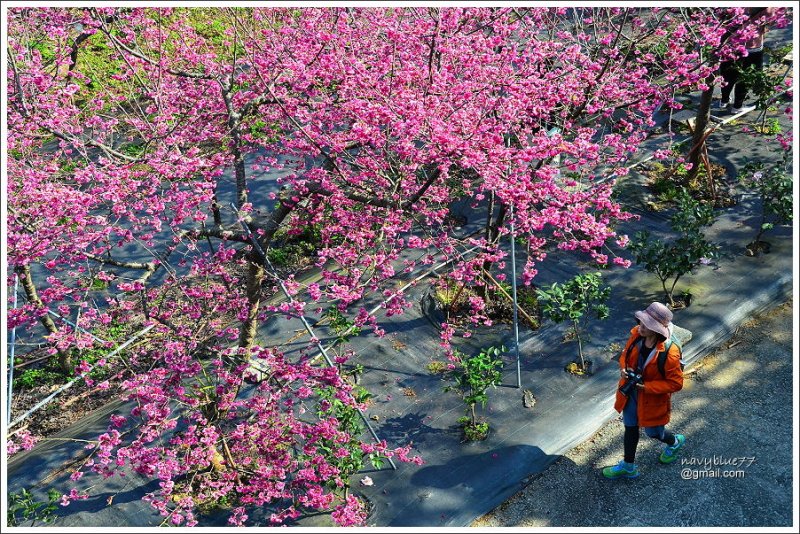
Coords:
505,293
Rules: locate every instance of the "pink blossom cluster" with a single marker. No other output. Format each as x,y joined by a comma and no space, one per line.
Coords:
407,110
204,442
23,440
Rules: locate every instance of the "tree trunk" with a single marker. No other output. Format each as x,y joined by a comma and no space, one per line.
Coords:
234,125
701,124
215,210
492,233
247,335
501,218
24,272
668,292
487,235
489,216
757,240
238,165
453,302
580,345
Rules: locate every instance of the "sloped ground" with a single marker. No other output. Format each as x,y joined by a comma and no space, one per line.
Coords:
463,481
736,406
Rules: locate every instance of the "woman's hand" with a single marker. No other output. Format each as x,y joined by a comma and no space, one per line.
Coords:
624,372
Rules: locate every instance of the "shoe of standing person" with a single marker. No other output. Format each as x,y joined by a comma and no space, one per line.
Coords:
670,453
622,470
743,109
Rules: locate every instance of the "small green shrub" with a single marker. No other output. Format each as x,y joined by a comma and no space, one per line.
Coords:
361,395
343,327
663,187
764,86
31,378
670,259
529,302
774,186
473,376
23,507
453,297
574,298
212,506
280,257
437,367
777,53
447,295
134,150
473,431
290,247
770,126
349,421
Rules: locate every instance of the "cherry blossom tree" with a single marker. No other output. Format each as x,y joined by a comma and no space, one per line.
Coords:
124,124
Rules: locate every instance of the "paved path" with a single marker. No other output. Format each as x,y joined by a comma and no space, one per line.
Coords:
736,406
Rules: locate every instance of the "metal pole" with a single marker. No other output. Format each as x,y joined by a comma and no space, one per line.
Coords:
11,354
307,326
514,269
74,380
514,292
51,312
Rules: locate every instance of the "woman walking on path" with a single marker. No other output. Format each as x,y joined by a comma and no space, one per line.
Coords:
651,371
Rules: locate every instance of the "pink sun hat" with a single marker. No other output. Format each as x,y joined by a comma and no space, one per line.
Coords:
656,318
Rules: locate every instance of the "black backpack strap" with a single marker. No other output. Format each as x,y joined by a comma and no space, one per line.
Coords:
630,348
662,363
662,360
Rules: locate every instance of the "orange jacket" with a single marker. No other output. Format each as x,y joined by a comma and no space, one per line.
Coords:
654,405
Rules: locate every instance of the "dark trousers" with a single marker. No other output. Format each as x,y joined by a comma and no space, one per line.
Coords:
729,71
631,439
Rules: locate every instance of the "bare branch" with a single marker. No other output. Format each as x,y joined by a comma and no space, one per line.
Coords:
149,266
93,143
139,55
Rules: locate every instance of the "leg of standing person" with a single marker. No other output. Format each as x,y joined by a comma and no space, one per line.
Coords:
755,59
630,443
727,70
673,442
627,467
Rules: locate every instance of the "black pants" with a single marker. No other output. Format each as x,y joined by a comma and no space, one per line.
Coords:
729,71
631,441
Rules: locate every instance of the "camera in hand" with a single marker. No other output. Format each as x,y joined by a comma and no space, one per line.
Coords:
629,385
